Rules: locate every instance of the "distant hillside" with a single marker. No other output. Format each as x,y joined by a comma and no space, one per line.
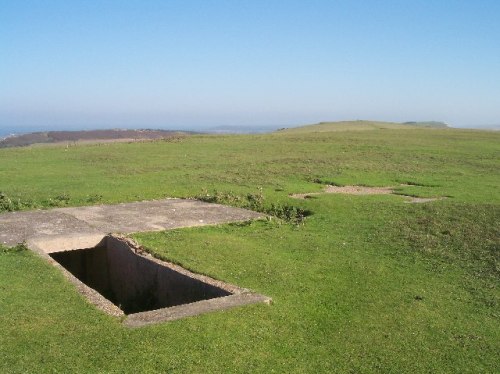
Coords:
361,125
241,129
427,124
87,136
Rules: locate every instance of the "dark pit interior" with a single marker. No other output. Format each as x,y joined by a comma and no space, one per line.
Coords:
132,282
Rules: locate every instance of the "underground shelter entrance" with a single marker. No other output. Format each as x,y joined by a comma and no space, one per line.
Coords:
132,282
146,289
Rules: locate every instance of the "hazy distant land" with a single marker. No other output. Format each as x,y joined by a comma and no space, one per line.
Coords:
115,135
88,136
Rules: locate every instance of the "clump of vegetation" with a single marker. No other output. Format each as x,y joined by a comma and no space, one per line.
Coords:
8,204
327,182
95,198
59,200
288,213
17,248
221,197
255,201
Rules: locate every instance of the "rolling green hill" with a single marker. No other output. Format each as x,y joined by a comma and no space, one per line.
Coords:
360,125
364,284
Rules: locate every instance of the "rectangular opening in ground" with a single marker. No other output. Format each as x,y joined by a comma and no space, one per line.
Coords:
133,282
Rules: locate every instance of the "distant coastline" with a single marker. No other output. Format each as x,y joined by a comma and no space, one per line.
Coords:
7,132
89,136
10,132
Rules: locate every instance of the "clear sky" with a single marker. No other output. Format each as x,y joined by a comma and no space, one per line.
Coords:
192,64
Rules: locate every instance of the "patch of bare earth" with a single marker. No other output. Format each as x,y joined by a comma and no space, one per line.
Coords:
362,190
349,190
359,190
419,200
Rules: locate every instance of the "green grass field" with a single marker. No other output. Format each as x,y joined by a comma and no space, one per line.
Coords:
365,284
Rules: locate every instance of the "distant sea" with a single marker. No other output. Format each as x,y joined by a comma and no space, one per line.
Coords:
7,131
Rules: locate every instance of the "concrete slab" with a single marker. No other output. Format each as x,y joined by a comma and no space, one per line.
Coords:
157,215
54,233
18,227
62,243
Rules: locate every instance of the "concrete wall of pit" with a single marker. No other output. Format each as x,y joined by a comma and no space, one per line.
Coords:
133,282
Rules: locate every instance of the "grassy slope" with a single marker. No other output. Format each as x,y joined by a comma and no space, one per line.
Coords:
449,162
359,125
367,284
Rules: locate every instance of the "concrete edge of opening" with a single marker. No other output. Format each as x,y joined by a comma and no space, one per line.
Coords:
193,309
44,246
239,296
62,243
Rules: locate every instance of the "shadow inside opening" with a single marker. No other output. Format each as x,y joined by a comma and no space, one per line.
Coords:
132,282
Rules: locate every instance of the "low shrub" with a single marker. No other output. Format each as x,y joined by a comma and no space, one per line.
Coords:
255,201
8,204
17,248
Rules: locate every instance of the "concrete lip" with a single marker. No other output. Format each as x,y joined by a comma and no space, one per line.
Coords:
17,227
120,278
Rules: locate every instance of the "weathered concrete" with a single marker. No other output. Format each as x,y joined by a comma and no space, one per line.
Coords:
194,309
18,227
133,279
61,243
118,270
92,295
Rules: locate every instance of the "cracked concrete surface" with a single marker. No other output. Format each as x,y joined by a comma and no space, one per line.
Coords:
126,218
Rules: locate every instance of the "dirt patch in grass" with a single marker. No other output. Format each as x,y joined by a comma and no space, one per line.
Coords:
359,190
350,190
419,200
363,190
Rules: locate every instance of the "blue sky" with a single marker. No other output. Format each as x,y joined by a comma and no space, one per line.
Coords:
196,64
